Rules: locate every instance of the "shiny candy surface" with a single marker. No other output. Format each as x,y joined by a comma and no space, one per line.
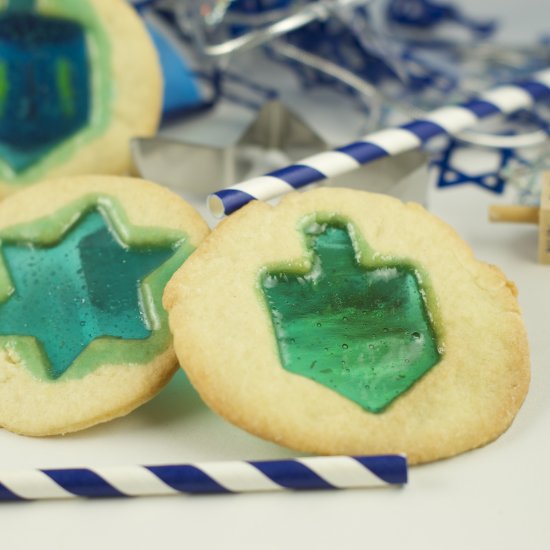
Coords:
84,290
364,332
56,85
44,85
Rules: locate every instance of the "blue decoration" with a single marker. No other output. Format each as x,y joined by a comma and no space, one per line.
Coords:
424,14
188,91
509,160
44,85
452,175
180,87
344,39
398,140
415,71
345,43
251,7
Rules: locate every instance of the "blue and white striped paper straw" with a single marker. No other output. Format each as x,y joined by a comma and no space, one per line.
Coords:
444,121
320,472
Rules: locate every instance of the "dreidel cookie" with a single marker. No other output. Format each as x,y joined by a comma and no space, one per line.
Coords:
344,322
83,264
78,80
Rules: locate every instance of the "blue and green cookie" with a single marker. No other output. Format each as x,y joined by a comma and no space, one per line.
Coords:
343,322
83,265
78,80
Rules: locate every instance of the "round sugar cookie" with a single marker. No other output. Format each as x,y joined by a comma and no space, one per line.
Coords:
83,264
345,322
78,80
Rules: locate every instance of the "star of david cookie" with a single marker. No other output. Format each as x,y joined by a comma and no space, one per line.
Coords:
83,265
344,322
78,80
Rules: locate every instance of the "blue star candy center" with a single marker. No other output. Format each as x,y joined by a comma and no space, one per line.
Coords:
84,287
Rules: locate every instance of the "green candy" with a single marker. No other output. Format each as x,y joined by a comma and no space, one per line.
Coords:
364,332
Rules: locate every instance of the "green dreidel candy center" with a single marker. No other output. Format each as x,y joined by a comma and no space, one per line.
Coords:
363,332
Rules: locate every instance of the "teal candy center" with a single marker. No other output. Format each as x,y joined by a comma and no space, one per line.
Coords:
84,287
44,83
364,332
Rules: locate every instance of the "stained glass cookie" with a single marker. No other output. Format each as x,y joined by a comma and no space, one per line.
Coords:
78,80
343,322
83,264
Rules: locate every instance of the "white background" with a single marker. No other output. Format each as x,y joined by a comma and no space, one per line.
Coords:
495,497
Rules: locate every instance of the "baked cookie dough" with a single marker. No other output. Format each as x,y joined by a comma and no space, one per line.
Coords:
83,265
344,322
78,80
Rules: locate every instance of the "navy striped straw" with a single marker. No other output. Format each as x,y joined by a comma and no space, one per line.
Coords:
320,472
444,121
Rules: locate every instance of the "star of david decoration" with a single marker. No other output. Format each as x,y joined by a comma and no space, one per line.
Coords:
78,294
451,175
363,332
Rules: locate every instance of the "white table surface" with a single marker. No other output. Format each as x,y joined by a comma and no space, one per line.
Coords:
494,497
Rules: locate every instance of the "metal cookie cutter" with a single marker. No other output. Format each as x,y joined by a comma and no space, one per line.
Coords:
218,149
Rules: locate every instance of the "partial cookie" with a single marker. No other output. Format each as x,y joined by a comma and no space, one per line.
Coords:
83,265
78,80
344,322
